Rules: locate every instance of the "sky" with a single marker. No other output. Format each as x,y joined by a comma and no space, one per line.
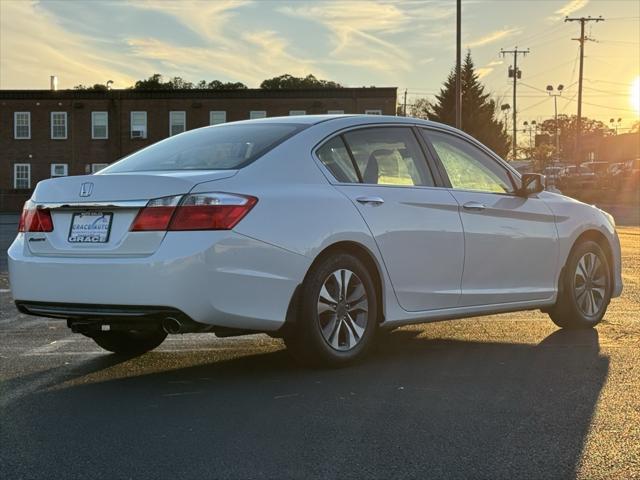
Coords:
409,44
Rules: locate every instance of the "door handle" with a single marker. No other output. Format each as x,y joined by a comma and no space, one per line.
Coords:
372,200
475,206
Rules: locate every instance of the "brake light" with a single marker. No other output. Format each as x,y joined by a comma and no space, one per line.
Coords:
34,219
202,211
211,211
156,215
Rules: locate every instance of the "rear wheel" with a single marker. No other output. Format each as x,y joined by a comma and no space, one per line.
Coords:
129,342
338,315
586,288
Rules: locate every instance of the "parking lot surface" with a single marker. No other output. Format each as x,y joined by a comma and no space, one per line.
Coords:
504,396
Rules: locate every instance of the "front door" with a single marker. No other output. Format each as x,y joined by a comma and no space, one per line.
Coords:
511,242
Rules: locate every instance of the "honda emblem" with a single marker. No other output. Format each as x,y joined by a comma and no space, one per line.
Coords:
86,189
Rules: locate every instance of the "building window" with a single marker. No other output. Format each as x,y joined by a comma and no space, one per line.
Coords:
297,112
59,170
217,116
138,124
373,112
177,122
58,125
257,114
22,176
335,112
99,125
22,125
96,167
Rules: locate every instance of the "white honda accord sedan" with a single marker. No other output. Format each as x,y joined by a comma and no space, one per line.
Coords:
318,229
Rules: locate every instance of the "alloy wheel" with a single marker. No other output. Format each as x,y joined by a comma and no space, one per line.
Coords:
590,283
343,310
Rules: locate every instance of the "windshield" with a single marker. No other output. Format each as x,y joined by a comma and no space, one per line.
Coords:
223,147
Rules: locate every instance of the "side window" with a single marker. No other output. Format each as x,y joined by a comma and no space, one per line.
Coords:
389,156
335,157
468,167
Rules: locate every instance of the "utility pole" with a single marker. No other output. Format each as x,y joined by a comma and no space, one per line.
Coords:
582,39
516,73
458,63
404,109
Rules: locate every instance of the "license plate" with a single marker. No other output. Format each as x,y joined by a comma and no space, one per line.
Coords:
90,227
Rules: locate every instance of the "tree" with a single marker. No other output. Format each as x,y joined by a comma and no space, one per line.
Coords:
479,111
97,87
592,132
542,155
156,82
289,81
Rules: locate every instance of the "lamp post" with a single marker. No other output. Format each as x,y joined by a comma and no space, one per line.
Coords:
555,93
531,128
615,124
505,107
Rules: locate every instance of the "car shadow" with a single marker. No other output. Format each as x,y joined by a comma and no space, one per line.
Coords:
416,408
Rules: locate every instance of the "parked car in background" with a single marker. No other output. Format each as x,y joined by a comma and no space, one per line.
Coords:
321,230
553,174
577,177
598,168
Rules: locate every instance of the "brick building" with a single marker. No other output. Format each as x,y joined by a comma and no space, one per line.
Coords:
46,133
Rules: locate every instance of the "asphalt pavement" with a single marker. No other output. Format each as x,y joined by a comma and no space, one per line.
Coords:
506,396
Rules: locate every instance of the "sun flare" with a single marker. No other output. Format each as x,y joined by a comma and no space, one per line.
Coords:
635,95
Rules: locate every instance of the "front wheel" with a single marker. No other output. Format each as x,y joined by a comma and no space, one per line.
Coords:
338,316
586,288
129,342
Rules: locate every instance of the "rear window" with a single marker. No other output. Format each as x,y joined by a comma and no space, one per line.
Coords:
223,147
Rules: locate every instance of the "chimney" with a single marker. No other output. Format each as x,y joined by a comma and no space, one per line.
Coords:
54,83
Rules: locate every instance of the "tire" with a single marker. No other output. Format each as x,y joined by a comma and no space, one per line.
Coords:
585,289
129,343
332,331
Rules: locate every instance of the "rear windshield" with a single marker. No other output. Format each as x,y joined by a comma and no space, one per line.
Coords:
223,147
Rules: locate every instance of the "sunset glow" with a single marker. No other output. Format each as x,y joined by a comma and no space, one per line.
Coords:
635,95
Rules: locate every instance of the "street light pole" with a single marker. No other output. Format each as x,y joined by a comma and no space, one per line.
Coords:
458,64
555,108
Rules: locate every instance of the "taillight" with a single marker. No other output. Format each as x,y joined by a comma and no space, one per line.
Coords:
34,219
201,211
156,215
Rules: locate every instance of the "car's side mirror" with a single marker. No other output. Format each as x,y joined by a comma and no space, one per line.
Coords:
532,183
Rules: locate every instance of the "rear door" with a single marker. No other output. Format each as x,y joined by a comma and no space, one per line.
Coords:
511,242
415,224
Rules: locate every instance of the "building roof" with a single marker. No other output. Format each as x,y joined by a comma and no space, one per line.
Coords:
196,93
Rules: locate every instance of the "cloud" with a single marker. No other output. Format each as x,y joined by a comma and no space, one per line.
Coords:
206,19
359,31
33,46
493,37
257,55
570,7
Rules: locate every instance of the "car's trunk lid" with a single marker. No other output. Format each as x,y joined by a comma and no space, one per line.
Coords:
106,205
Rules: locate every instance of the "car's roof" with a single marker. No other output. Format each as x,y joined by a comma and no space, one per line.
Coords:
349,118
313,119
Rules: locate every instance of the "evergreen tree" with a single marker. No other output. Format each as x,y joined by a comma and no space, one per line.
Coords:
479,112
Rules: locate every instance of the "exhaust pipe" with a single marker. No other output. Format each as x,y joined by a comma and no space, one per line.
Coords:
171,325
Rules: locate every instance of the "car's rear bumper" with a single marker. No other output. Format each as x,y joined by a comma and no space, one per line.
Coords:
218,278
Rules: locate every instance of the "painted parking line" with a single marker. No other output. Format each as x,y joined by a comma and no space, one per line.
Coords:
50,347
